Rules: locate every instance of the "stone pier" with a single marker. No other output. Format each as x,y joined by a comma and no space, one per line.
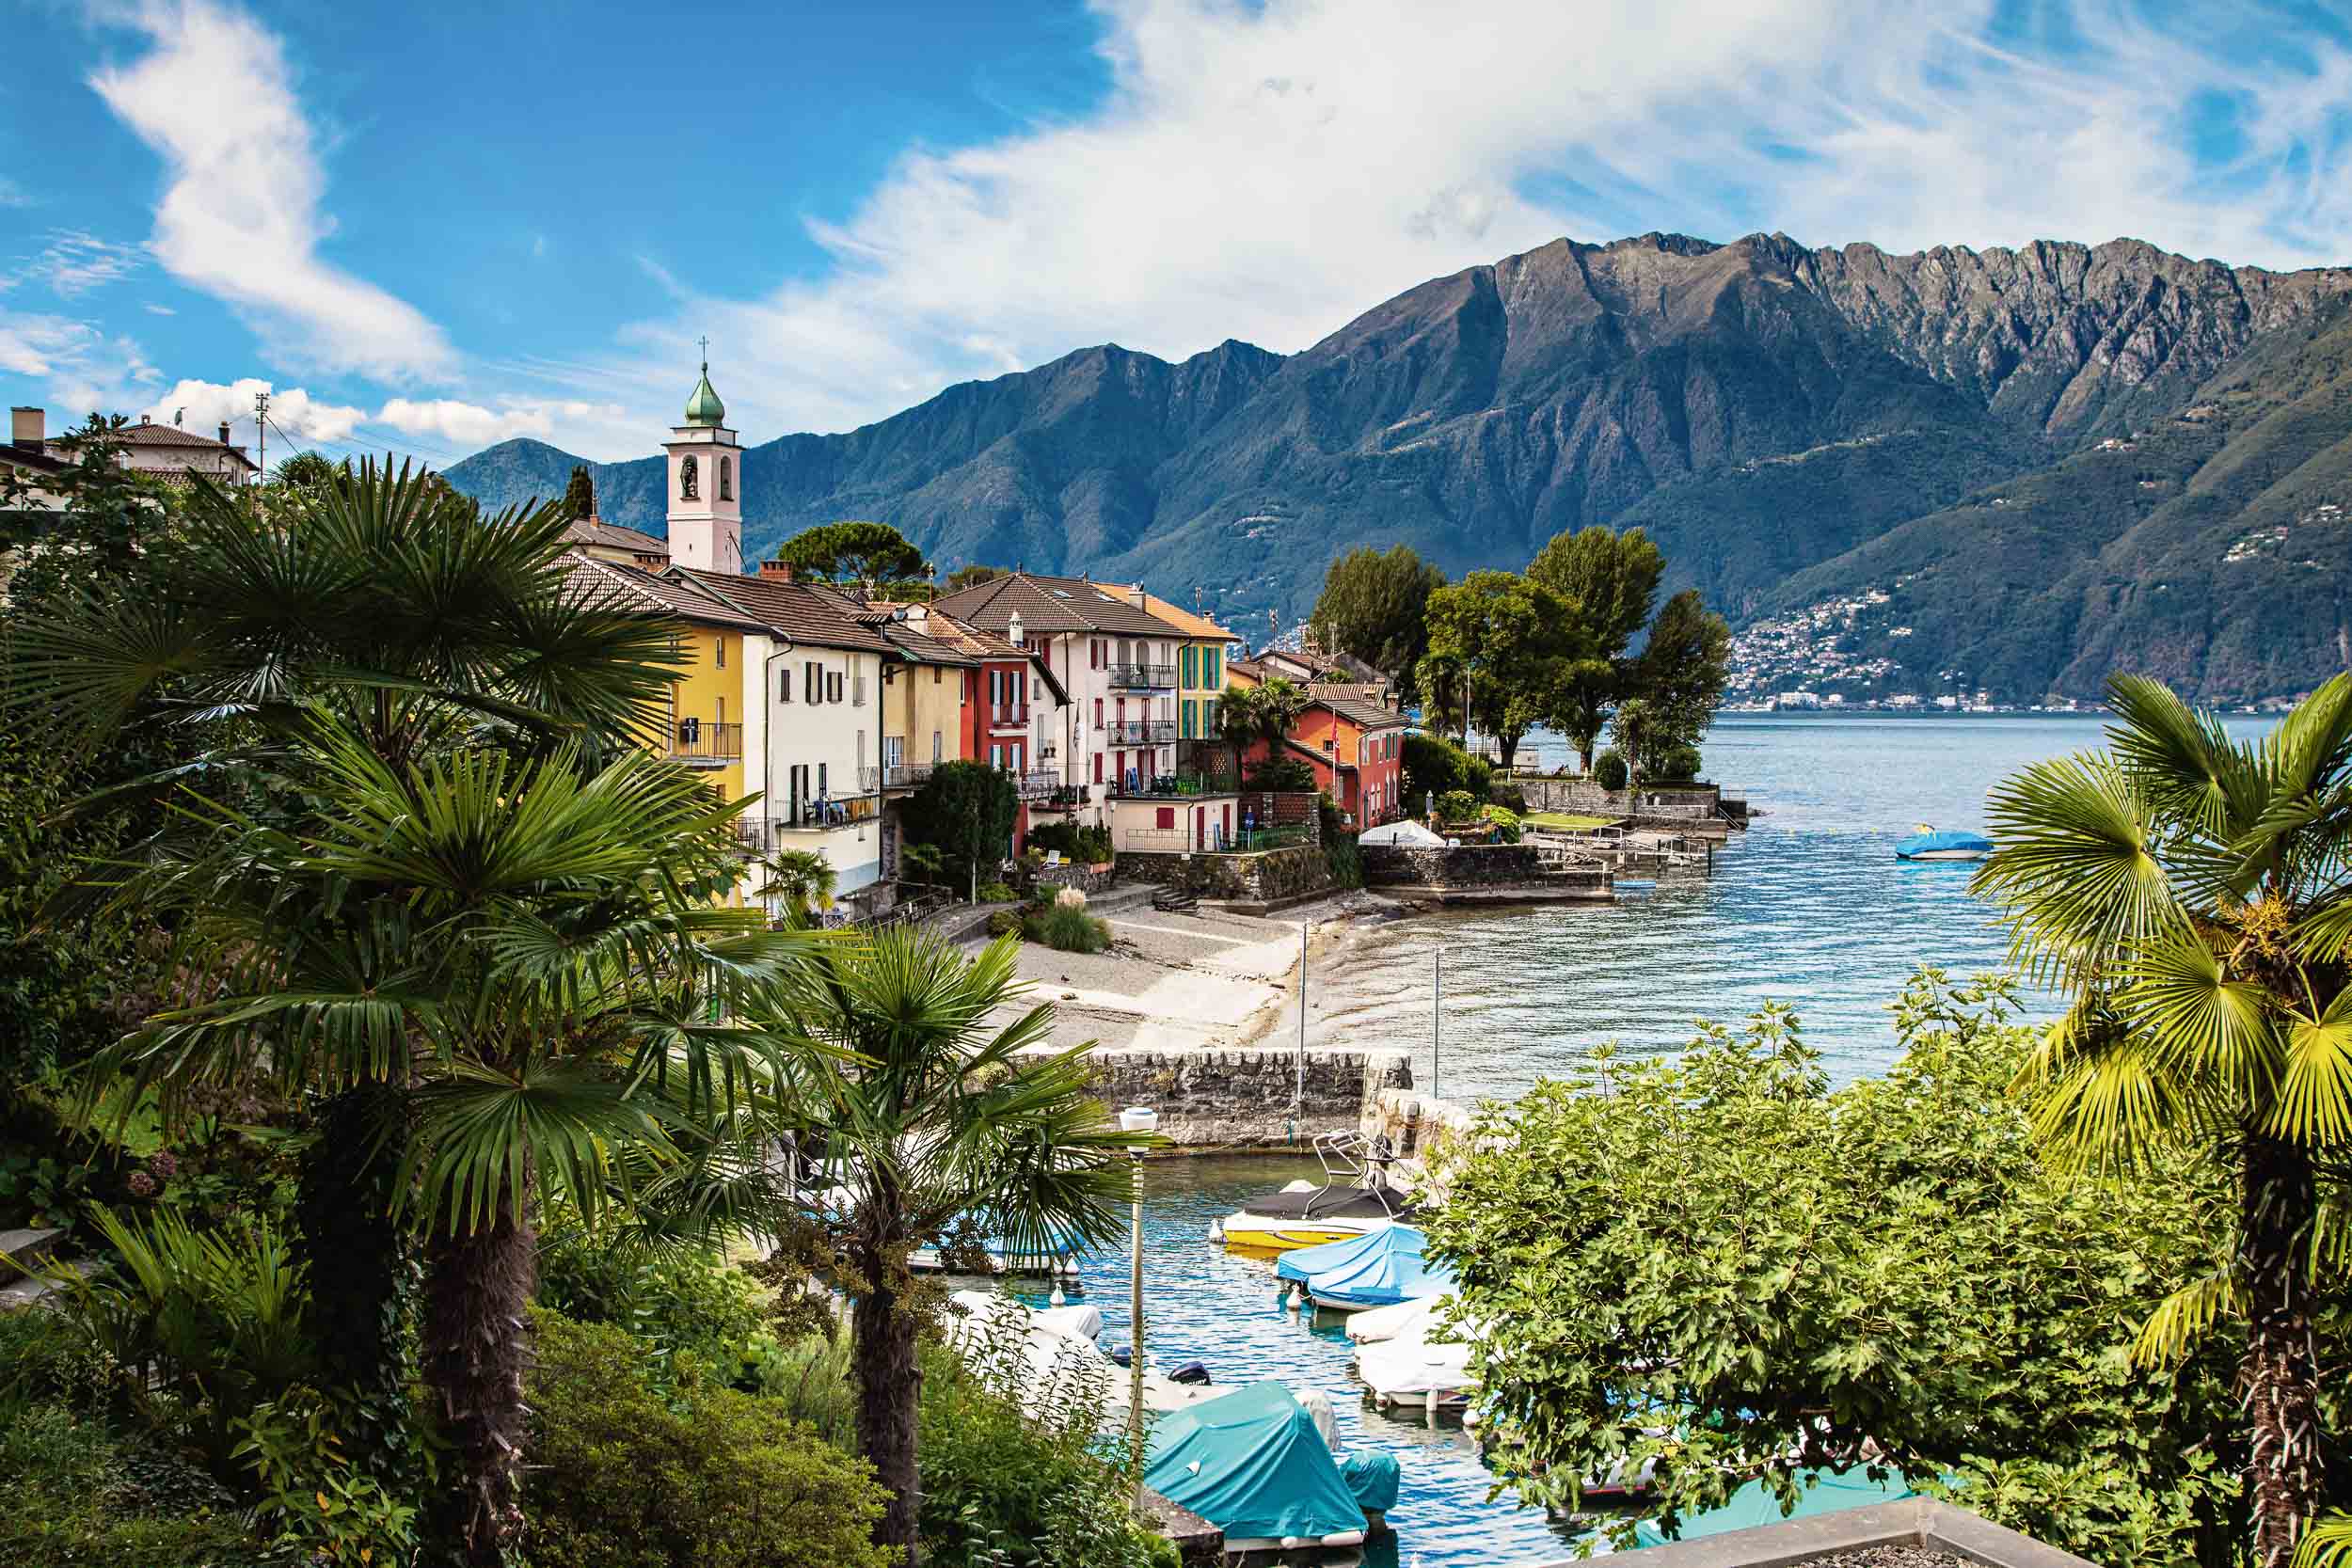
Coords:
1241,1098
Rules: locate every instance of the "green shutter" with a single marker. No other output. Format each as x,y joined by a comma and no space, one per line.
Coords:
1212,677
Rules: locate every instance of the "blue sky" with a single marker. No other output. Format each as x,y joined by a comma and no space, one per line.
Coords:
428,228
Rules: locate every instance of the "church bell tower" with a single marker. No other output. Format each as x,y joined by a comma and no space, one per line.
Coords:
706,485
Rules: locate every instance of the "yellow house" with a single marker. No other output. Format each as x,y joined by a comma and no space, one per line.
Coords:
703,727
1199,664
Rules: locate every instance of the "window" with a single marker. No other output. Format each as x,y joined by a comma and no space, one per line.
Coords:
994,698
726,479
821,790
833,686
689,472
1098,713
1192,667
784,684
936,671
937,744
1190,711
1164,817
996,757
1098,768
1016,756
813,682
1094,653
1211,670
723,651
1208,719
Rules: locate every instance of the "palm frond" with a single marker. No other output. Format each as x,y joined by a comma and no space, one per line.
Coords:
2185,1317
2181,760
2077,868
2314,1103
483,1136
2216,1030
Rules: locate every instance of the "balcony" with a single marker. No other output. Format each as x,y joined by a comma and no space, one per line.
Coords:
1142,732
1169,786
796,829
1008,716
699,743
906,775
1062,796
1036,785
1146,677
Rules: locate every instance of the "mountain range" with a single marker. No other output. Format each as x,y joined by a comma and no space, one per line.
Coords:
2016,468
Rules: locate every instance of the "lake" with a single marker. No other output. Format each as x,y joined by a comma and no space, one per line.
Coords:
1809,907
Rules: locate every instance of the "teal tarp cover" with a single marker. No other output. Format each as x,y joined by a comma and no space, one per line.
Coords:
1382,1274
1302,1263
1253,1465
1754,1504
1372,1476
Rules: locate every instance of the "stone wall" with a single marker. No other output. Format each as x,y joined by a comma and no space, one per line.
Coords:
1265,878
1584,797
1422,1131
1240,1096
1067,875
1451,866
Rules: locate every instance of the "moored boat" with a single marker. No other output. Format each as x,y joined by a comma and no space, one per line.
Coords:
1943,844
1379,1268
1353,1200
1253,1463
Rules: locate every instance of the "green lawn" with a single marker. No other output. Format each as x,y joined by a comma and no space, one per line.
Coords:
1562,823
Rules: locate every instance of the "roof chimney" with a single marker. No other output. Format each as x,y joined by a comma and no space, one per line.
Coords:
142,418
224,431
27,427
776,571
1013,633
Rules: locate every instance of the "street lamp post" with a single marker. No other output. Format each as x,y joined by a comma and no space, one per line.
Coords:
1143,1119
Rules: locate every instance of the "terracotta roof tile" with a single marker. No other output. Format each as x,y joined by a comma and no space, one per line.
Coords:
798,610
595,530
1056,605
613,585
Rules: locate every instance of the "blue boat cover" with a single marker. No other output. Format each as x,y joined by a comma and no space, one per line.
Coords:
1389,1271
1372,1476
1945,839
1253,1465
1754,1504
1303,1263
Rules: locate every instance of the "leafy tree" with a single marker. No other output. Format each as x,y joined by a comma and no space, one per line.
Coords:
1609,770
1682,669
1505,640
966,811
934,1115
1263,714
849,551
1434,765
309,471
2187,892
1375,606
1634,727
1719,1264
1612,581
580,495
965,576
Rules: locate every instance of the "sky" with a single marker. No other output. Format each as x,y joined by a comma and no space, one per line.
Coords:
426,227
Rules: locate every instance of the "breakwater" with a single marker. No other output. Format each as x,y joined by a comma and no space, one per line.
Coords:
1476,873
1245,1098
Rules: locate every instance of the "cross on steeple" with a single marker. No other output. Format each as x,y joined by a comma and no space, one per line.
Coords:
703,343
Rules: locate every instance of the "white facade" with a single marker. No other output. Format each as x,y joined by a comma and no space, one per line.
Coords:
816,763
706,508
1113,726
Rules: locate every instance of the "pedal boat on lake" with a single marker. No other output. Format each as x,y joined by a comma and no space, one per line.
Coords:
1943,844
1353,1200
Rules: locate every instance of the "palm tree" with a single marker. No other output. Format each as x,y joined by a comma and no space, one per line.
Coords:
531,950
933,1112
802,880
2188,894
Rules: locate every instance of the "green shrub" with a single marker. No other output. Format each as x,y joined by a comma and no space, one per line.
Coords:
1433,765
1457,805
626,1478
1003,922
1003,1487
1609,770
78,1494
1069,928
683,1304
809,1379
1505,823
1282,774
1344,861
1085,845
997,893
1677,763
49,1356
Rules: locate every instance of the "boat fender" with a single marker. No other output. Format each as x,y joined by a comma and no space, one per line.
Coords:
1191,1371
1059,1299
1298,1299
1217,1230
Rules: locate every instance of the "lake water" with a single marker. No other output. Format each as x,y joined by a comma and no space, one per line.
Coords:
1808,906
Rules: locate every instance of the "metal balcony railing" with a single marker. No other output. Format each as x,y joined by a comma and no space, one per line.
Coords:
1036,785
1168,787
700,741
1062,796
906,775
1133,675
868,780
1142,732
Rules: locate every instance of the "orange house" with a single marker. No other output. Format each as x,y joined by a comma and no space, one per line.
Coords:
1357,750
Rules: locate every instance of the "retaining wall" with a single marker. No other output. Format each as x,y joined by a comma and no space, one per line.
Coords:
1423,1130
1453,866
1584,797
1264,878
1065,875
1240,1096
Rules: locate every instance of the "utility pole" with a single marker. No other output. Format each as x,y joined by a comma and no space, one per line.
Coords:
260,431
1437,1012
1298,1096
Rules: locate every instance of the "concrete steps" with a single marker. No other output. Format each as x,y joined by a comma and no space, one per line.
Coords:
29,1252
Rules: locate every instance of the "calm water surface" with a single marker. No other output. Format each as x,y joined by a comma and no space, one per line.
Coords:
1809,907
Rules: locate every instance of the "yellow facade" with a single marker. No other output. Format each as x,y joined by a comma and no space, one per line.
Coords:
710,692
923,714
1200,667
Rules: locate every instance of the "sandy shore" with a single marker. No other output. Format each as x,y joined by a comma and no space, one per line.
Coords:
1201,979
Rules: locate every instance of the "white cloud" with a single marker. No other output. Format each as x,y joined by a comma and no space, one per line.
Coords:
73,262
471,424
240,214
13,194
294,412
1269,171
